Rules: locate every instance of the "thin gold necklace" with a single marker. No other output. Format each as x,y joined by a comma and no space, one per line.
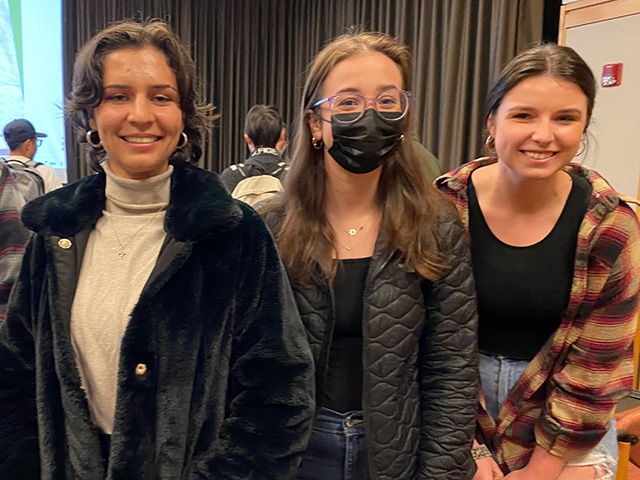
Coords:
354,245
352,232
121,252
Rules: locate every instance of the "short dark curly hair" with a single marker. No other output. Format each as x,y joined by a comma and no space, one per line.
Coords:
87,87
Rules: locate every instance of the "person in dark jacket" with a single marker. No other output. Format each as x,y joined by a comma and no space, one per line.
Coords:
265,134
382,276
152,332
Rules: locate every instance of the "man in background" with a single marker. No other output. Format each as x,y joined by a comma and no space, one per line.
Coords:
265,134
23,142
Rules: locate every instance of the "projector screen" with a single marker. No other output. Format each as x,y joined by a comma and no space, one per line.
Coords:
31,80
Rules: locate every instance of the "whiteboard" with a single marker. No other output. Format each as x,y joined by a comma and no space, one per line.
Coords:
615,127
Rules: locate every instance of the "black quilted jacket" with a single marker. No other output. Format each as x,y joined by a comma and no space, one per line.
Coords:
420,359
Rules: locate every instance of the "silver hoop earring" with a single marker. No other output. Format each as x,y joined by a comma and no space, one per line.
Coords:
317,144
89,137
184,142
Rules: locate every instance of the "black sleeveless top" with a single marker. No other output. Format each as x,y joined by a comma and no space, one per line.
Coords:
343,385
523,291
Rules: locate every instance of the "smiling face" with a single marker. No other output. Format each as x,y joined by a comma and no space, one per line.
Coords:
538,126
369,75
139,118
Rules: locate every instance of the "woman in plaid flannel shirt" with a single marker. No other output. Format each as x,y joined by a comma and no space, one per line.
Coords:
556,256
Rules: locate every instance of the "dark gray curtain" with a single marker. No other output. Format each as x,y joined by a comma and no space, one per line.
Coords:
257,51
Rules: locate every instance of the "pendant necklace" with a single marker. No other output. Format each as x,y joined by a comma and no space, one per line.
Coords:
352,232
121,251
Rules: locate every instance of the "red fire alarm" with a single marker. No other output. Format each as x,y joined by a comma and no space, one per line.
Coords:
612,75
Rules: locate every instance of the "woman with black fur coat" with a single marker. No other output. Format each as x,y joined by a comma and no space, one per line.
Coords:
152,332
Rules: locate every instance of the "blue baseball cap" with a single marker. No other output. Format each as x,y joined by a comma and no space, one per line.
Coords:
19,130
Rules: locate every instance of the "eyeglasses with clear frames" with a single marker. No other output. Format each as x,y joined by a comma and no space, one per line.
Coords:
348,107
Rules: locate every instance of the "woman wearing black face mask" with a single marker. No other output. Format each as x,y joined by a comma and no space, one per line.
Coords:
381,272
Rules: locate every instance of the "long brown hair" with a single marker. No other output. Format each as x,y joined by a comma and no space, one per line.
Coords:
408,203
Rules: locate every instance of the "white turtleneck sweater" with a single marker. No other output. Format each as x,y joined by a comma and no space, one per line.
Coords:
109,285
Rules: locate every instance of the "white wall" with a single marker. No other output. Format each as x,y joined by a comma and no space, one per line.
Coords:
616,118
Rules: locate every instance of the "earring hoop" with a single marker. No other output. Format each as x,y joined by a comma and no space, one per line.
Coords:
317,144
184,142
490,143
89,137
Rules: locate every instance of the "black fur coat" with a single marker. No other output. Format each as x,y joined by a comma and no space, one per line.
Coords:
228,388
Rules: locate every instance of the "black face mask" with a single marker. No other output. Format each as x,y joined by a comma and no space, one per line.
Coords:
362,146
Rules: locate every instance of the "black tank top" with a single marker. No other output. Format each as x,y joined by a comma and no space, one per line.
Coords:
343,385
523,291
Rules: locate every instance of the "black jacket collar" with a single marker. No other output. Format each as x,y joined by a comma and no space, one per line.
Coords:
198,208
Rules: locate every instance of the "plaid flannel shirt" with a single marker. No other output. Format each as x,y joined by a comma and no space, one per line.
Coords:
567,395
13,235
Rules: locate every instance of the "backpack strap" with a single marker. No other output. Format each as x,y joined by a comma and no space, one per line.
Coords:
258,170
14,160
28,163
278,168
241,168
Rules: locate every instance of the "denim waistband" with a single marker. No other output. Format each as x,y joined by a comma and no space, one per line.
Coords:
348,423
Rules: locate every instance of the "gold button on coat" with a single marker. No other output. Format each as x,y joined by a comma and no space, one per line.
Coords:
141,369
64,243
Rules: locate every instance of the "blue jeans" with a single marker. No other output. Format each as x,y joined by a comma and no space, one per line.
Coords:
499,374
336,448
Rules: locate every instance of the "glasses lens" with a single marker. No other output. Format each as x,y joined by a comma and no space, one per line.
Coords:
392,104
349,107
38,141
347,103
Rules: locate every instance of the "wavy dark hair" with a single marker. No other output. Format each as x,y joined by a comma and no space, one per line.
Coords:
409,204
544,59
87,87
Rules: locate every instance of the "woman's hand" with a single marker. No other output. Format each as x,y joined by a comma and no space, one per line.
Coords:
487,469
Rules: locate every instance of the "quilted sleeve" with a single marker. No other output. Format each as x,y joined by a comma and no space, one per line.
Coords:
449,362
